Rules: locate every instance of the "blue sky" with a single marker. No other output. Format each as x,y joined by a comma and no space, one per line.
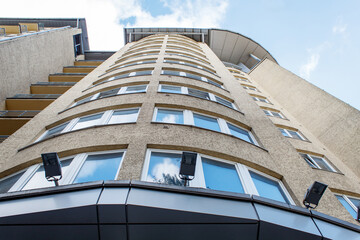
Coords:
317,40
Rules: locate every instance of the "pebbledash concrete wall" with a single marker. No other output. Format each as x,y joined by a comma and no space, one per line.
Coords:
333,122
276,155
30,59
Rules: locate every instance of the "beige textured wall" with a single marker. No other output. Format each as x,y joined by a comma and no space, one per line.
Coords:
333,122
30,59
277,155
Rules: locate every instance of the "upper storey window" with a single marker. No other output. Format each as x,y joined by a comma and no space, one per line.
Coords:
195,93
190,65
113,92
260,99
130,64
104,118
292,134
192,76
162,166
187,117
84,167
125,75
273,113
122,59
317,162
351,204
171,53
185,49
250,88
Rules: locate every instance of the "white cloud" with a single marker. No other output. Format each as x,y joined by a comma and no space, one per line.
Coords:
313,59
339,27
307,68
103,16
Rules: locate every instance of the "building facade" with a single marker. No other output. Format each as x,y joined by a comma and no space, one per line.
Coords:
262,136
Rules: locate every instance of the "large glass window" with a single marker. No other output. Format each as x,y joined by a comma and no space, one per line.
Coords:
163,166
124,116
84,167
170,116
191,118
190,75
221,176
273,113
206,122
291,134
317,162
350,203
104,118
240,133
268,188
99,167
195,93
88,121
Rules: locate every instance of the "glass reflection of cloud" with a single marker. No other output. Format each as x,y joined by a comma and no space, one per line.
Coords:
166,167
170,119
90,169
124,116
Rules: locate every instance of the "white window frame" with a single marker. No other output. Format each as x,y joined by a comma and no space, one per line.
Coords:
290,136
104,120
188,116
185,91
71,173
313,162
199,179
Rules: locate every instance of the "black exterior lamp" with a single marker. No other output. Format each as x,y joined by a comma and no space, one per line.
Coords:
314,194
52,167
358,213
187,167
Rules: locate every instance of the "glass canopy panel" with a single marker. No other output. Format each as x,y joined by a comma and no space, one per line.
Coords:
124,116
268,188
164,168
221,176
87,121
170,116
240,133
99,167
206,122
38,180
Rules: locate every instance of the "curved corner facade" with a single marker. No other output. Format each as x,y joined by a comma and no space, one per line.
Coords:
133,116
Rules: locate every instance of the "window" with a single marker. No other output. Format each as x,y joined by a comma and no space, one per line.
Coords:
192,76
113,92
190,65
273,114
162,166
186,56
195,93
7,182
317,162
251,88
129,64
170,116
292,134
350,203
261,99
212,123
84,167
104,118
125,75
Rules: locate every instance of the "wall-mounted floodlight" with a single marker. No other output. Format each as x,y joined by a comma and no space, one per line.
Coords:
187,167
313,194
358,215
52,167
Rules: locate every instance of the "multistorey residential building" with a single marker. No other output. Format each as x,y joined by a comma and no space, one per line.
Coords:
120,133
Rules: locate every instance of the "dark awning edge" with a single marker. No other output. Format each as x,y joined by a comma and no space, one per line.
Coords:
139,197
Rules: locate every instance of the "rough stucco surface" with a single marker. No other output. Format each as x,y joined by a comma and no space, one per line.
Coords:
276,156
333,122
31,59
